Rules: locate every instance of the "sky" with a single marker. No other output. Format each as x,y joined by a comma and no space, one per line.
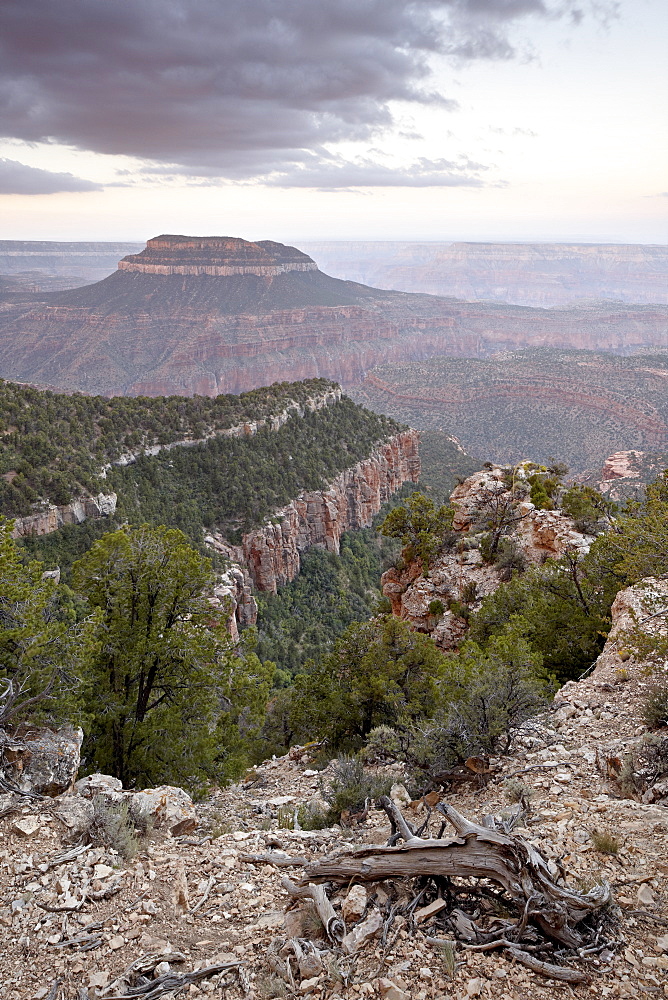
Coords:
334,119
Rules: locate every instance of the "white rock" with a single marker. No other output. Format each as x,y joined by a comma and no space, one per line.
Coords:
102,871
26,826
362,933
399,795
390,991
474,987
645,894
167,806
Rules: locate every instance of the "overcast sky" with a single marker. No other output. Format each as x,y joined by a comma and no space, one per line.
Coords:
334,119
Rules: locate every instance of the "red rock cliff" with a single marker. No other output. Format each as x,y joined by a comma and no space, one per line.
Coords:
319,518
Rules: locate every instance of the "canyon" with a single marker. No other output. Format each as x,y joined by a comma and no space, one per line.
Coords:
206,315
574,406
529,274
318,518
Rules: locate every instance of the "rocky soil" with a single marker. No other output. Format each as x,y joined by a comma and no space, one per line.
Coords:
80,916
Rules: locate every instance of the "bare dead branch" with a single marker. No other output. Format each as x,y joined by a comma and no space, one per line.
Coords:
333,925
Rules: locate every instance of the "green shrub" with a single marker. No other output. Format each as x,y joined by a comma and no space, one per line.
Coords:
351,786
436,608
655,707
605,842
112,827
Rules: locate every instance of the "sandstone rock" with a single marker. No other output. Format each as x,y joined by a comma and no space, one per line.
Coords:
75,813
45,761
165,806
49,517
26,826
390,991
362,933
354,904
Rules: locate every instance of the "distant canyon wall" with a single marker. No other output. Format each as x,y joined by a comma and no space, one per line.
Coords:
530,274
49,517
319,518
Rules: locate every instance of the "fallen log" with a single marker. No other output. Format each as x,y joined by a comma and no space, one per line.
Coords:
477,852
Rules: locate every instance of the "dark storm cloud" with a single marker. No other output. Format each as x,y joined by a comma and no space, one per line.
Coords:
244,87
18,178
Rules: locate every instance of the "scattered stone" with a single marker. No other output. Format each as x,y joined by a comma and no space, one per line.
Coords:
362,933
354,904
27,826
390,991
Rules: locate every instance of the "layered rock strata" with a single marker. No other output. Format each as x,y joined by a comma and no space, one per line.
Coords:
191,315
216,256
318,518
51,516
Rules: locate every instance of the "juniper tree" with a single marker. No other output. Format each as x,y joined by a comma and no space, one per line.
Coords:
170,699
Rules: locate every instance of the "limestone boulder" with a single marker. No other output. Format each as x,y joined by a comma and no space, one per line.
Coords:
166,807
44,761
110,788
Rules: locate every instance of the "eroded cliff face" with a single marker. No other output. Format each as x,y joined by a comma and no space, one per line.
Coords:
51,517
272,553
460,574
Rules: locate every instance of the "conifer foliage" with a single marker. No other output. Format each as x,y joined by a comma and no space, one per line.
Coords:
166,688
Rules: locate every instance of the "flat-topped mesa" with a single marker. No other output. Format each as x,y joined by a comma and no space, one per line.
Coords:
217,256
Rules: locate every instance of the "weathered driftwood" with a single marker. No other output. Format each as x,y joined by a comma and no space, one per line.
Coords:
333,925
475,853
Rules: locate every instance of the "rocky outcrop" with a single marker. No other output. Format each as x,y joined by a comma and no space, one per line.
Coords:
320,517
216,256
49,517
233,592
41,761
459,578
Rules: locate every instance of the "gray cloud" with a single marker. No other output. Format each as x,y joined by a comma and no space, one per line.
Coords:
239,87
18,178
366,173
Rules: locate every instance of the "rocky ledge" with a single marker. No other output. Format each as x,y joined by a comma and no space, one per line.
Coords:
51,516
216,255
320,517
461,574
